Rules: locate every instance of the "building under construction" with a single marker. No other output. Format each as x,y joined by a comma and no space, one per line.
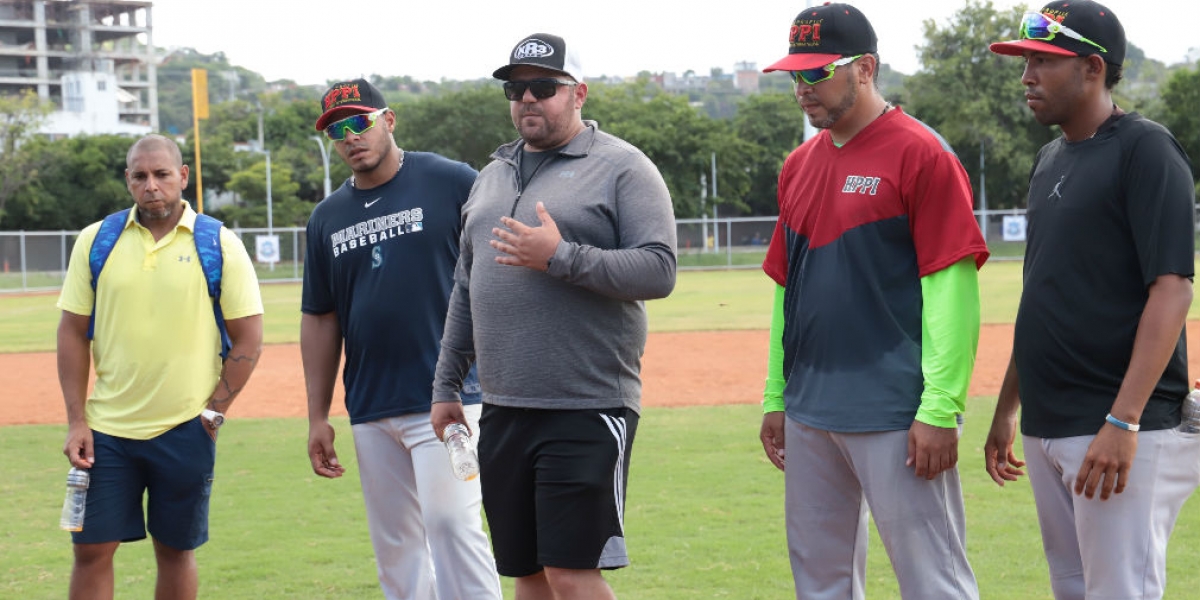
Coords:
93,60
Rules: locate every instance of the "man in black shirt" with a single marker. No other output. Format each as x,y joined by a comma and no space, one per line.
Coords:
1099,363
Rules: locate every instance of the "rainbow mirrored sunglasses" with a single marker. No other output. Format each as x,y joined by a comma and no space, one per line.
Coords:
819,74
1037,26
356,124
541,88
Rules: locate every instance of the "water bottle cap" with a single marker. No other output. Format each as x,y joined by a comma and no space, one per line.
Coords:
78,477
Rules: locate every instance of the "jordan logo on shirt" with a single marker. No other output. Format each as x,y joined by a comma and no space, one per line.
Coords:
1056,192
861,185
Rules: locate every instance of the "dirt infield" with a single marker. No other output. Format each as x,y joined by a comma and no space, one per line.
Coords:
679,369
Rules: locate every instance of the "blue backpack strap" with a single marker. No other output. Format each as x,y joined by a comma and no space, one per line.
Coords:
207,234
106,238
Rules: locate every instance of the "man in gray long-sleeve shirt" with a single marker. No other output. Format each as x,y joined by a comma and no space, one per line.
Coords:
566,232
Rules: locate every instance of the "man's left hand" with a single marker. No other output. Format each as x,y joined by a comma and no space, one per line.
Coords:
525,246
931,450
1107,462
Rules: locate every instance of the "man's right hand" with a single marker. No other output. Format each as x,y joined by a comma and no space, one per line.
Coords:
320,450
771,436
78,447
442,414
999,459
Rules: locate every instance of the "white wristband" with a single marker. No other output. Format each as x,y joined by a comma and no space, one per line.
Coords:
1122,424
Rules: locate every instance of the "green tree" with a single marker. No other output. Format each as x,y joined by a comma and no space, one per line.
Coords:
972,97
1181,111
680,140
81,180
225,82
774,124
20,118
465,125
251,184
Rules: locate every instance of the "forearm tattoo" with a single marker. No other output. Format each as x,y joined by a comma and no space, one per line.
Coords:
225,392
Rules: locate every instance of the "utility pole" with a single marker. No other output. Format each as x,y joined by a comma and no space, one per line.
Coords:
324,162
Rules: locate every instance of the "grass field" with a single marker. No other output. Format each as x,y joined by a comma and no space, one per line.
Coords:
702,300
704,512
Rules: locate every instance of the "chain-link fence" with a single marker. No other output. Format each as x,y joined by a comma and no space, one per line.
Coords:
37,260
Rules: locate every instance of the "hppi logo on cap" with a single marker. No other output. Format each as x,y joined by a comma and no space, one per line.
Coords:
342,94
345,98
533,48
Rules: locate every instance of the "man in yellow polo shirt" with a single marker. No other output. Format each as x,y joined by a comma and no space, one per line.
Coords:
162,388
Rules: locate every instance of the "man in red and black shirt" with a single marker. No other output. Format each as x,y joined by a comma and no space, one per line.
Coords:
875,326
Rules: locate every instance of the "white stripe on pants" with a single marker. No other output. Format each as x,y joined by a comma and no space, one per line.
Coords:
832,479
422,519
1113,549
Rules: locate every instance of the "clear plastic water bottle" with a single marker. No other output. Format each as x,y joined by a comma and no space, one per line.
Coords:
463,459
1191,411
76,500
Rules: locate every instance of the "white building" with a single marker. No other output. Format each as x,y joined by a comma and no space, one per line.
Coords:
94,60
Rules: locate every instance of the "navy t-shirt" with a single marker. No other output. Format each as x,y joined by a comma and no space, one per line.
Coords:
383,259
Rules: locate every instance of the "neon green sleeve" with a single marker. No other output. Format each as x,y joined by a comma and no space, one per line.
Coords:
773,391
949,338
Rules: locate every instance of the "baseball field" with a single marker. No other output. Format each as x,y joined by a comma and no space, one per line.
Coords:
704,512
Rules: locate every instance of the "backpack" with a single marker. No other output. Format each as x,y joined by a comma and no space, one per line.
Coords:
207,234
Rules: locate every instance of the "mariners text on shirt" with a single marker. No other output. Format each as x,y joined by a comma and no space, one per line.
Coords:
374,230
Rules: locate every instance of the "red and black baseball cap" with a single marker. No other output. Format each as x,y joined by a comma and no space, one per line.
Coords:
1102,32
823,34
544,50
346,98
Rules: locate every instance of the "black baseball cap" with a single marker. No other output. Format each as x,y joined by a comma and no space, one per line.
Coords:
1088,19
544,50
823,34
346,98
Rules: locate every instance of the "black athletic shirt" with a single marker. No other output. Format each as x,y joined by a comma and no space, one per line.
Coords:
1107,216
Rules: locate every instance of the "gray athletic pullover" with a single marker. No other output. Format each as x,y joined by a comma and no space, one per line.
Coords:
571,337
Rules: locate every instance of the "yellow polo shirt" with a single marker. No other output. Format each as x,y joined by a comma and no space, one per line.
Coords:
156,345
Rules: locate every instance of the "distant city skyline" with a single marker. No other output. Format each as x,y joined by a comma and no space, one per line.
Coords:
309,43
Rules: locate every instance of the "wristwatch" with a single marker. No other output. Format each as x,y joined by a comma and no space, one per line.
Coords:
214,418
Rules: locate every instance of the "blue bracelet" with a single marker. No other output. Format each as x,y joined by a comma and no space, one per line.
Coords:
1122,424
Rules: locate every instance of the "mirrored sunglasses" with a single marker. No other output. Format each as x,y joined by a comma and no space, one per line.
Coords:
541,88
1037,26
357,124
819,74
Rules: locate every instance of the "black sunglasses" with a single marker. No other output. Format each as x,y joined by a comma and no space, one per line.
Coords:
541,88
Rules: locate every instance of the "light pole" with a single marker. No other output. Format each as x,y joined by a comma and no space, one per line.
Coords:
324,161
983,207
262,147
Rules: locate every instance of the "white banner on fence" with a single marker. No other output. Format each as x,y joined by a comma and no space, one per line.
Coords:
267,248
1014,228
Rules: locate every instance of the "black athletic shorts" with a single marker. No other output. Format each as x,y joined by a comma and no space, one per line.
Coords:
554,486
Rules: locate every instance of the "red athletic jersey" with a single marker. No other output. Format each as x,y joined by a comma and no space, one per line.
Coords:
858,227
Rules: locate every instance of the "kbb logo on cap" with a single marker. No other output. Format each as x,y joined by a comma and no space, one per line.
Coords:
544,50
533,48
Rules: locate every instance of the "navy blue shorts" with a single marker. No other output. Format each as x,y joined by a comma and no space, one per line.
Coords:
554,486
175,469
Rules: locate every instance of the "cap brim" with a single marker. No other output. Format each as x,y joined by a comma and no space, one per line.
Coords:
802,61
505,72
341,112
1020,47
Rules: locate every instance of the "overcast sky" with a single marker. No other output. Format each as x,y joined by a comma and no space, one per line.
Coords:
313,41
